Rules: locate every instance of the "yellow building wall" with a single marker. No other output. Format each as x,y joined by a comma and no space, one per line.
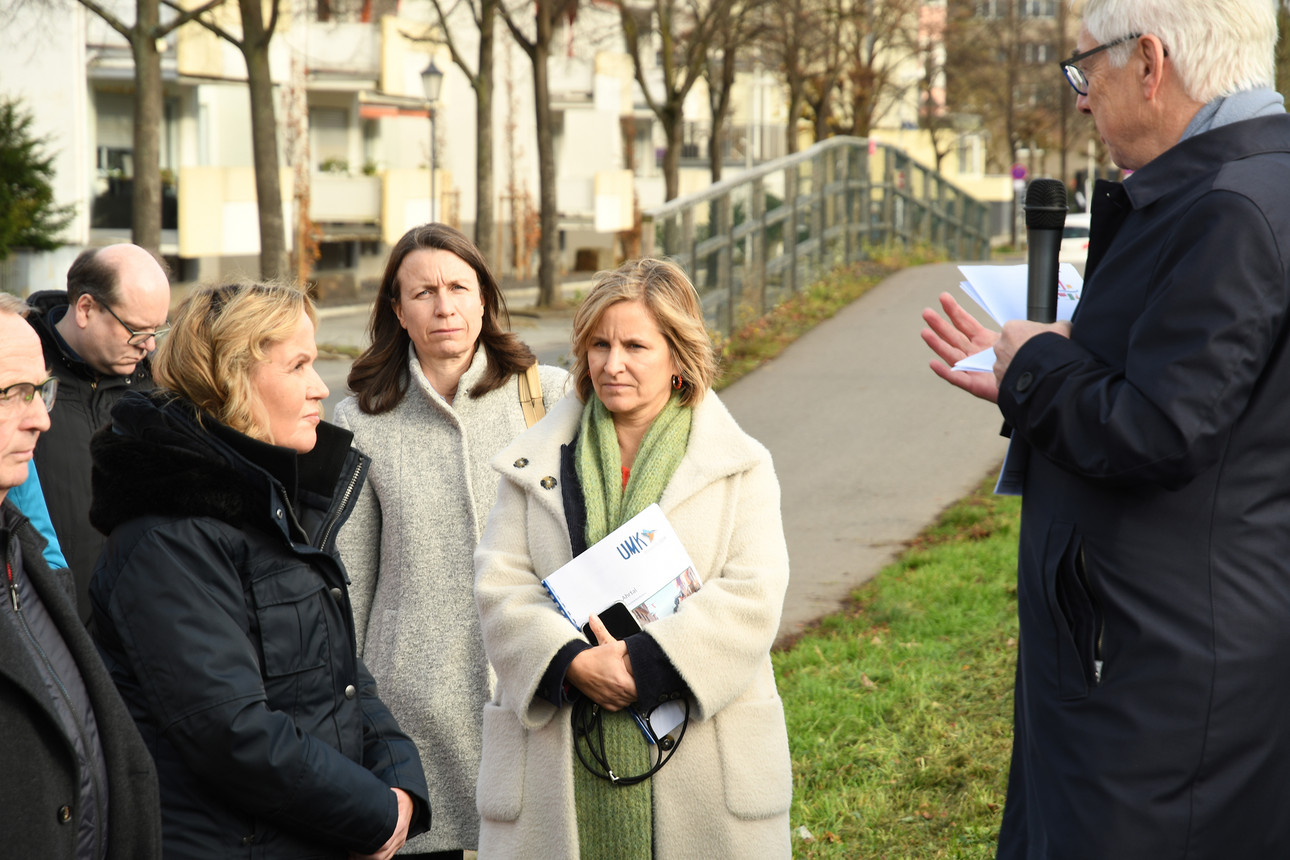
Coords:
218,214
405,200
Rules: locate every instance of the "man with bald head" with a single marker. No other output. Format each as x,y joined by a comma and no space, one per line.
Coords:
97,338
76,780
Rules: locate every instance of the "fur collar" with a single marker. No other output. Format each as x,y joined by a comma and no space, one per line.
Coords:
156,459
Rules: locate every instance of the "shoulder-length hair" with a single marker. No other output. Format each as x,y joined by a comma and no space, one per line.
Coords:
380,375
218,337
671,299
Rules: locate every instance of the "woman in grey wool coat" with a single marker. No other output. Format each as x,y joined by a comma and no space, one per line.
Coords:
436,396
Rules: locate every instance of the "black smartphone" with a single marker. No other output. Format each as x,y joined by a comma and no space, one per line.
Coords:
618,620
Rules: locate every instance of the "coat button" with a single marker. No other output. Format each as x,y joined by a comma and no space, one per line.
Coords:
350,692
64,814
1023,381
337,594
278,513
548,482
521,462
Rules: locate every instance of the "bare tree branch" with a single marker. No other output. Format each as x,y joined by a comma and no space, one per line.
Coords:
185,16
112,21
214,28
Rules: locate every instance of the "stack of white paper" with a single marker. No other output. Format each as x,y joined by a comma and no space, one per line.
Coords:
1001,293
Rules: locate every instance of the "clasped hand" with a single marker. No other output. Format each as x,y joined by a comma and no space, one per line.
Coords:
603,672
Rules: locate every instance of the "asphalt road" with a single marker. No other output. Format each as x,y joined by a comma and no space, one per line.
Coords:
868,443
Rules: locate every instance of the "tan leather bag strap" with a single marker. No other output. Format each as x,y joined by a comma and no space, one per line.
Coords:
531,395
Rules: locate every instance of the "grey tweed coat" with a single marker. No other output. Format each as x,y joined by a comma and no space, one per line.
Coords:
408,547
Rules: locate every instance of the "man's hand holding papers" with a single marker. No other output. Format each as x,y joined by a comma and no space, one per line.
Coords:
968,349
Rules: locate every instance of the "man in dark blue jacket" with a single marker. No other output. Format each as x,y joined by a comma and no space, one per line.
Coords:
97,339
1152,703
76,781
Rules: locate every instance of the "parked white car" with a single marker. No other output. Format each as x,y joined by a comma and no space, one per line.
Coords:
1075,238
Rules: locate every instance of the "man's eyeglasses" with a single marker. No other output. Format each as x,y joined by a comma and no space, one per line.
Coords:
11,396
1075,75
137,338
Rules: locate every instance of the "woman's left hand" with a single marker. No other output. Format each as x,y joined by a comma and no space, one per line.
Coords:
603,673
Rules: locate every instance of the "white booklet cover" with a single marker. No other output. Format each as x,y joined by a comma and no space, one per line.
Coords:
641,563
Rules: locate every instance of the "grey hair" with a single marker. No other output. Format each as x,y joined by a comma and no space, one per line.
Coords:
1219,47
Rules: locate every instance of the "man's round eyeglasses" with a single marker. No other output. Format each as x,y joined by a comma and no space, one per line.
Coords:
1075,75
137,338
24,392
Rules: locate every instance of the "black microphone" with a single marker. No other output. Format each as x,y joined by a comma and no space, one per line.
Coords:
1045,217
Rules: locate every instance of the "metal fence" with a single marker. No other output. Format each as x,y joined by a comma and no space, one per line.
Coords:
751,241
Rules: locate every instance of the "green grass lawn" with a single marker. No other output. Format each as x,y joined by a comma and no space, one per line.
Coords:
899,708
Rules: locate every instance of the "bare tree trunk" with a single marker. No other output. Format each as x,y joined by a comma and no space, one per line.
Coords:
264,140
484,203
672,127
547,246
145,215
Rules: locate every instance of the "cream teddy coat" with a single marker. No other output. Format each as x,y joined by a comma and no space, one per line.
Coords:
726,792
408,548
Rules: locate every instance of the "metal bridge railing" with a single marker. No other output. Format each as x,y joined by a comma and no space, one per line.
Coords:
751,241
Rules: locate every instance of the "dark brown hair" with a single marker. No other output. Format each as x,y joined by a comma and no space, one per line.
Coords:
380,375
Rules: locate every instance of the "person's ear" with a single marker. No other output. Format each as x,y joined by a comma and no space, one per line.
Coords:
1149,60
84,303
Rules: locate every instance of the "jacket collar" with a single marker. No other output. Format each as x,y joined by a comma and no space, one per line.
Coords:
158,458
1197,156
717,450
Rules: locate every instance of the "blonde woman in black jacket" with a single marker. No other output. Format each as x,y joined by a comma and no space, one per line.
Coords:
220,605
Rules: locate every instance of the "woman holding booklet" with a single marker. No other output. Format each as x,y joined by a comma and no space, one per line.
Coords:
567,770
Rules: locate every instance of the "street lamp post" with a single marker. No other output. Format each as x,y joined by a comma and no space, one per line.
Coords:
432,81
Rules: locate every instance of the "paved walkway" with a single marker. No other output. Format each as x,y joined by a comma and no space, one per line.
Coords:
869,445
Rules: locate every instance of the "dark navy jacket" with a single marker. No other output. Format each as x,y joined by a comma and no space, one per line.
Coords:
84,404
40,771
1153,685
221,610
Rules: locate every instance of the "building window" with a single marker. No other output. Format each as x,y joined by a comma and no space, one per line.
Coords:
1038,53
329,139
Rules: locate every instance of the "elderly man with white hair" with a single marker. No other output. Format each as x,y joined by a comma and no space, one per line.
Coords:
1153,679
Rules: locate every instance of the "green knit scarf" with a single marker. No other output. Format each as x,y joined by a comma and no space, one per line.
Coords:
616,823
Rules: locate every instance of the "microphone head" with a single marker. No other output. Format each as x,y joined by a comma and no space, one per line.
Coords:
1046,204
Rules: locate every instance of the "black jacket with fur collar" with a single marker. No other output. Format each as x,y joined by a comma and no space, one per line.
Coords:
221,610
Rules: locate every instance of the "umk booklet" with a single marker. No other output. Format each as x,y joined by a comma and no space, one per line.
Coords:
643,564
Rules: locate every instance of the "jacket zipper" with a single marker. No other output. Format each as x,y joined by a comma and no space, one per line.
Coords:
330,525
62,689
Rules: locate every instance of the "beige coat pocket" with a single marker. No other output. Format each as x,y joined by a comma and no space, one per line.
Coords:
755,763
500,790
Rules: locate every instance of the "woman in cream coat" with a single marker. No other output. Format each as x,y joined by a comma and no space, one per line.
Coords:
436,398
726,791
